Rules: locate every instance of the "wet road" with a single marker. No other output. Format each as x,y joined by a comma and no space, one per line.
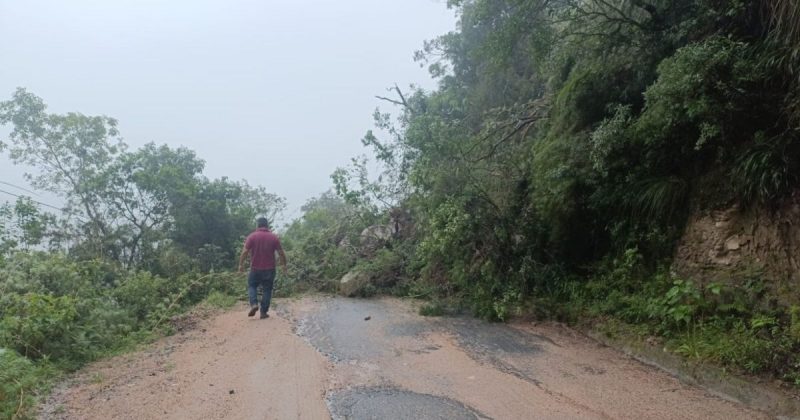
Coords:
319,358
389,362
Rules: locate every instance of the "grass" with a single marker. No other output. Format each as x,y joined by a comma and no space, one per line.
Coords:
432,309
220,300
97,378
751,343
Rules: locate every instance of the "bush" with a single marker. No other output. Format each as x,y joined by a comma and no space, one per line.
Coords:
38,272
63,329
42,326
384,269
143,294
57,314
20,384
768,169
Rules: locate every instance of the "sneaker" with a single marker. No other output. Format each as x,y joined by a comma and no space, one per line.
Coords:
263,316
253,310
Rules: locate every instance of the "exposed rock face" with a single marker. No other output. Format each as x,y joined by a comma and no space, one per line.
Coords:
733,244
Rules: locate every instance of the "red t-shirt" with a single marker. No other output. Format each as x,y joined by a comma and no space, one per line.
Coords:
262,245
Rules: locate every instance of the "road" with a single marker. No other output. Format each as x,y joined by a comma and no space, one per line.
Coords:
321,357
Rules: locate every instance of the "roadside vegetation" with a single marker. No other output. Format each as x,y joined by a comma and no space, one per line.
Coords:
553,171
142,237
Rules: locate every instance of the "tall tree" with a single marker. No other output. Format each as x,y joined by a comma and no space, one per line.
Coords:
70,156
146,185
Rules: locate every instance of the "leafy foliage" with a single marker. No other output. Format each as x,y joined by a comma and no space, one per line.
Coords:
323,244
142,237
555,164
566,145
20,383
23,225
126,206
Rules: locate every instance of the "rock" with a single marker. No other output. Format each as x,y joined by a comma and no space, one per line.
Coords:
377,232
367,318
352,283
374,238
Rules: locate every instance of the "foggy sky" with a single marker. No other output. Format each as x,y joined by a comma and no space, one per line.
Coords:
275,92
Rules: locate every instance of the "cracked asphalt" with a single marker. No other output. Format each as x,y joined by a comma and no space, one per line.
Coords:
323,357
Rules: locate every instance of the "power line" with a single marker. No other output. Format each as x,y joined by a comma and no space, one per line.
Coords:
37,202
18,187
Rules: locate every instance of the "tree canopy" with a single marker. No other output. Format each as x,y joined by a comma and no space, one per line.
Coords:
126,206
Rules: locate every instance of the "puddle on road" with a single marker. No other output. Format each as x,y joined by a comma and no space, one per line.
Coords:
387,403
339,330
480,336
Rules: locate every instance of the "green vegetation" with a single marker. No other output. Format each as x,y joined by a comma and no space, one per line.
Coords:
432,309
58,314
730,325
121,259
20,382
551,172
554,168
220,300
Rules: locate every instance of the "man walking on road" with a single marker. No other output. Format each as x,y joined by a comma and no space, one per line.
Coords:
261,245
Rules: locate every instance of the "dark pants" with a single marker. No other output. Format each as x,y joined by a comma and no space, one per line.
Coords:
265,279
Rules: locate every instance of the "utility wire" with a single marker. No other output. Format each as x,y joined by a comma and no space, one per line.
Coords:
37,202
18,187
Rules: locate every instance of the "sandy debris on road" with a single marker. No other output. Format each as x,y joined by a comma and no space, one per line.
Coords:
230,367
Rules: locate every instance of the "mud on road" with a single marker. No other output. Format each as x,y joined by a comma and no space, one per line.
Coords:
320,358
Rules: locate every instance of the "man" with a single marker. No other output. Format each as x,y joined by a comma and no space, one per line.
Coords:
261,246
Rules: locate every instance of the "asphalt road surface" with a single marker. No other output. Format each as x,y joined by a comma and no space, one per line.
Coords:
320,358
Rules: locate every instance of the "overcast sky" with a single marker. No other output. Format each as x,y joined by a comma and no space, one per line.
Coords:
275,92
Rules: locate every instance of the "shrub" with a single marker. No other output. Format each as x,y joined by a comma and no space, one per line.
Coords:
20,384
63,329
768,169
142,294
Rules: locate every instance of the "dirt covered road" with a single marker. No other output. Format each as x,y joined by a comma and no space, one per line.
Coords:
319,358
